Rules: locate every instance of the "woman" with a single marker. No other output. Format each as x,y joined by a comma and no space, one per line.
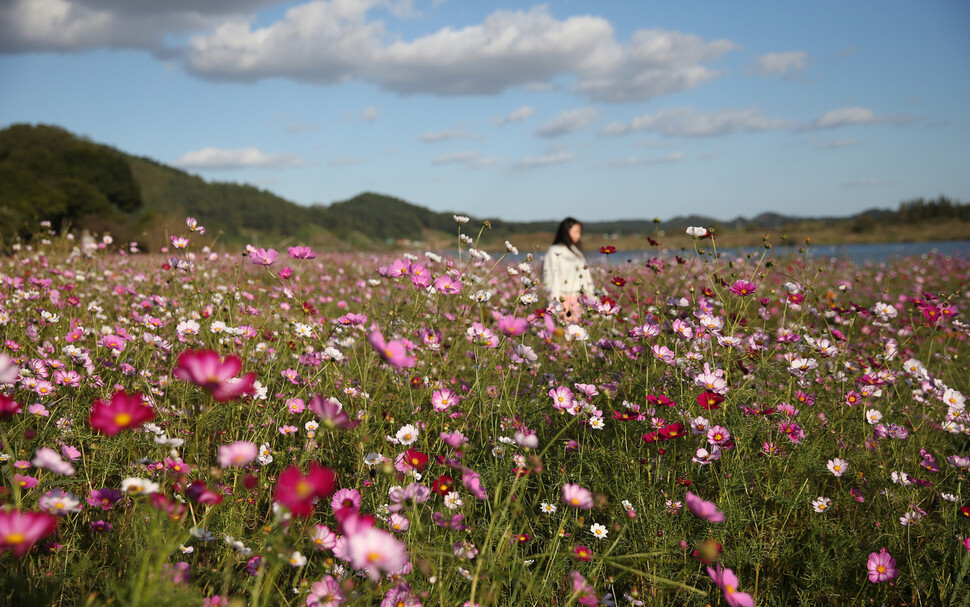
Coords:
564,271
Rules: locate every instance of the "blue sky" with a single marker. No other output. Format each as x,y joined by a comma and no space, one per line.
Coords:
601,110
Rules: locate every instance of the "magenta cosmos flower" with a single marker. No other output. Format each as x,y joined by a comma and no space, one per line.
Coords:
728,583
577,496
298,492
882,566
302,253
331,413
124,412
392,352
204,368
704,509
743,287
19,531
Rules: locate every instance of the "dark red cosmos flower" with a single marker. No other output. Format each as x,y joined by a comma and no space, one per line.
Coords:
709,400
582,553
618,281
660,400
650,437
298,492
523,538
443,485
965,511
653,243
626,415
415,459
609,250
672,431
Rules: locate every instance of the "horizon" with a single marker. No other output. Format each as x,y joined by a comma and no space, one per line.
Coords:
515,110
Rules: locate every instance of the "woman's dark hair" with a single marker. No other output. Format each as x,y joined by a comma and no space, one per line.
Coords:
562,234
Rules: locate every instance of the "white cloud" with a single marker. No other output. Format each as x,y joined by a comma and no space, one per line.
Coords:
241,158
532,162
370,114
636,161
568,122
518,115
346,161
687,122
469,158
328,42
68,25
335,41
850,116
781,64
452,135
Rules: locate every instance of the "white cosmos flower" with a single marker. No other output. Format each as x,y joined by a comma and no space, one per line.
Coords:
138,486
838,466
407,435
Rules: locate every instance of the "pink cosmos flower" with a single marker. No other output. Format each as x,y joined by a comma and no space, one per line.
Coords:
9,371
718,435
19,531
376,551
444,399
728,582
298,492
237,454
393,352
577,496
401,596
882,566
263,257
562,397
584,592
204,368
302,253
346,500
447,285
512,326
25,481
326,593
704,509
48,459
124,412
323,538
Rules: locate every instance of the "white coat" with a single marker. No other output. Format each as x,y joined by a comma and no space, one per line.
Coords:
564,272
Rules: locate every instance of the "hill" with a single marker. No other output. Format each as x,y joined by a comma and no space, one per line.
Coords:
48,173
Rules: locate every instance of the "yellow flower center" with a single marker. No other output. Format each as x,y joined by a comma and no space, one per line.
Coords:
14,538
881,569
123,419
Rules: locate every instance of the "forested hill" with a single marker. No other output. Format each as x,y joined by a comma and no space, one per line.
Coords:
47,173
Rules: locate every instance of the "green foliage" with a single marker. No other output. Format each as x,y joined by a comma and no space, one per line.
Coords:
47,173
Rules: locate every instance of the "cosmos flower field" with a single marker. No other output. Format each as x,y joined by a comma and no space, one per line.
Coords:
293,427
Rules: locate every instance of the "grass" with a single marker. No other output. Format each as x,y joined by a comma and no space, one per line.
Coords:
175,548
